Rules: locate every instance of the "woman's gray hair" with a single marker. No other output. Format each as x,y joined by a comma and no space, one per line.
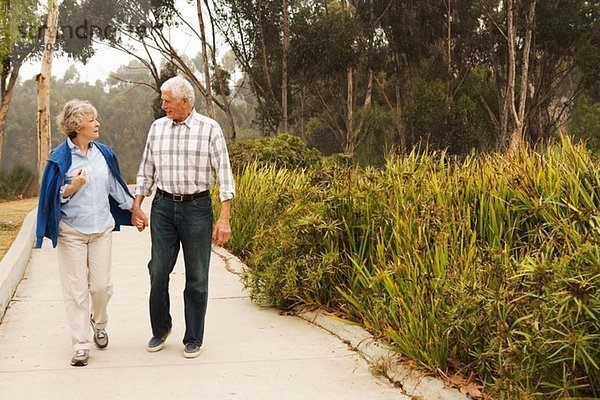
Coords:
72,117
180,88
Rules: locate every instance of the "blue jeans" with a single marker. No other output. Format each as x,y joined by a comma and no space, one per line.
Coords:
171,224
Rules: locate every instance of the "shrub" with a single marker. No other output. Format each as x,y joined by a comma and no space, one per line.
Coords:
488,265
375,130
282,151
15,183
584,122
321,137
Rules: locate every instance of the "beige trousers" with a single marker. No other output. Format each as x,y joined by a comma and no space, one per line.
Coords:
85,263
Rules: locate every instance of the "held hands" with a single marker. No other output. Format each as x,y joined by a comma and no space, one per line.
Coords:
139,219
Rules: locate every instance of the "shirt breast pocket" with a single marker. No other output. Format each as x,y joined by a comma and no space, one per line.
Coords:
102,170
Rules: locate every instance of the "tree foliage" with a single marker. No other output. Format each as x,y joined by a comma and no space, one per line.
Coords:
467,59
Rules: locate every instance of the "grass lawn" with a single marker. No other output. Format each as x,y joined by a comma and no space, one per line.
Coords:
12,214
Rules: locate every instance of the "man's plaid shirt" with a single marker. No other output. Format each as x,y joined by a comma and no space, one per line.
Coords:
184,158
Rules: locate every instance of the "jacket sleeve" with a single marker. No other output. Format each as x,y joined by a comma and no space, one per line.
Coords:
45,203
122,217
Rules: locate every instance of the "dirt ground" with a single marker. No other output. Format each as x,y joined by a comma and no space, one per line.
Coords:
12,214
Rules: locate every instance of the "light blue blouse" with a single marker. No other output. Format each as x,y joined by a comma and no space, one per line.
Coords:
88,209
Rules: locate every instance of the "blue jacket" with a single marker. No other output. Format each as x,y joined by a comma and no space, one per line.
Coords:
48,214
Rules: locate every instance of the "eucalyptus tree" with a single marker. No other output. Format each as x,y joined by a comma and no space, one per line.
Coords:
253,30
566,62
142,29
322,59
43,87
541,55
18,43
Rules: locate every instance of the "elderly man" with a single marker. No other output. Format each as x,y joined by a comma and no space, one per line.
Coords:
184,151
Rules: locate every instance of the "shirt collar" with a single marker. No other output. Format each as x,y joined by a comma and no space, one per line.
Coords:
187,122
74,148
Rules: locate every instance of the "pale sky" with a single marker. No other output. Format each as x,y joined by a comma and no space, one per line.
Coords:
104,62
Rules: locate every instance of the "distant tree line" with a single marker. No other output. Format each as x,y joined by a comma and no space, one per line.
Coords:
126,111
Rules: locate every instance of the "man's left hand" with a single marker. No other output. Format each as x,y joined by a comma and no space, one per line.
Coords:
222,231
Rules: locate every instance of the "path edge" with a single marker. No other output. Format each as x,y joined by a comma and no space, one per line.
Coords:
14,263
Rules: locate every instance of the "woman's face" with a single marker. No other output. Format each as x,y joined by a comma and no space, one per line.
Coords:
90,129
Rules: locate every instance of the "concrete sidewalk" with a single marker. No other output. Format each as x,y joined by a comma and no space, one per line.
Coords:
249,352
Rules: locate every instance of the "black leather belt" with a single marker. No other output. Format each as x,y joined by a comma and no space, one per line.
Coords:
181,197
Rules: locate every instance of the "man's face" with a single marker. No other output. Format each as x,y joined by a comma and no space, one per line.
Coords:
176,109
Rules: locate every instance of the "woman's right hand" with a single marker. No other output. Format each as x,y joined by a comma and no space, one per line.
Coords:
79,179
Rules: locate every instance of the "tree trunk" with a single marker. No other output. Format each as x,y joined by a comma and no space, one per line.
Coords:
369,94
265,59
43,88
517,134
449,55
208,95
398,119
226,104
284,78
349,145
7,93
302,99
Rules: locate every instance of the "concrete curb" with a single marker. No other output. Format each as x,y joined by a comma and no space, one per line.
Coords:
412,383
232,263
12,266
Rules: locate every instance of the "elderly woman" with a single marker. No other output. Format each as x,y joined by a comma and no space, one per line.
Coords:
83,198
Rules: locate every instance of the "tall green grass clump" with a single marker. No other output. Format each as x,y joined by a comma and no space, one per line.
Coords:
488,265
264,192
492,265
294,257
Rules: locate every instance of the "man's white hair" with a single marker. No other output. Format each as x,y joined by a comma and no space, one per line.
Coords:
180,88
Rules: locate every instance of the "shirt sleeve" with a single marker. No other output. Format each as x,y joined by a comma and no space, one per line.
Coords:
219,159
145,175
119,194
63,200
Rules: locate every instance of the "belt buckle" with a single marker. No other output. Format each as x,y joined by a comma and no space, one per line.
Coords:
178,198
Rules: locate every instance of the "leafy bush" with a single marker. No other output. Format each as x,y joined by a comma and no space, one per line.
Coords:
282,151
321,137
376,135
584,122
15,183
490,265
295,257
271,190
457,125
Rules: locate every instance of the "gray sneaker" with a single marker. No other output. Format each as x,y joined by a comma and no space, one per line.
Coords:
100,336
80,359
